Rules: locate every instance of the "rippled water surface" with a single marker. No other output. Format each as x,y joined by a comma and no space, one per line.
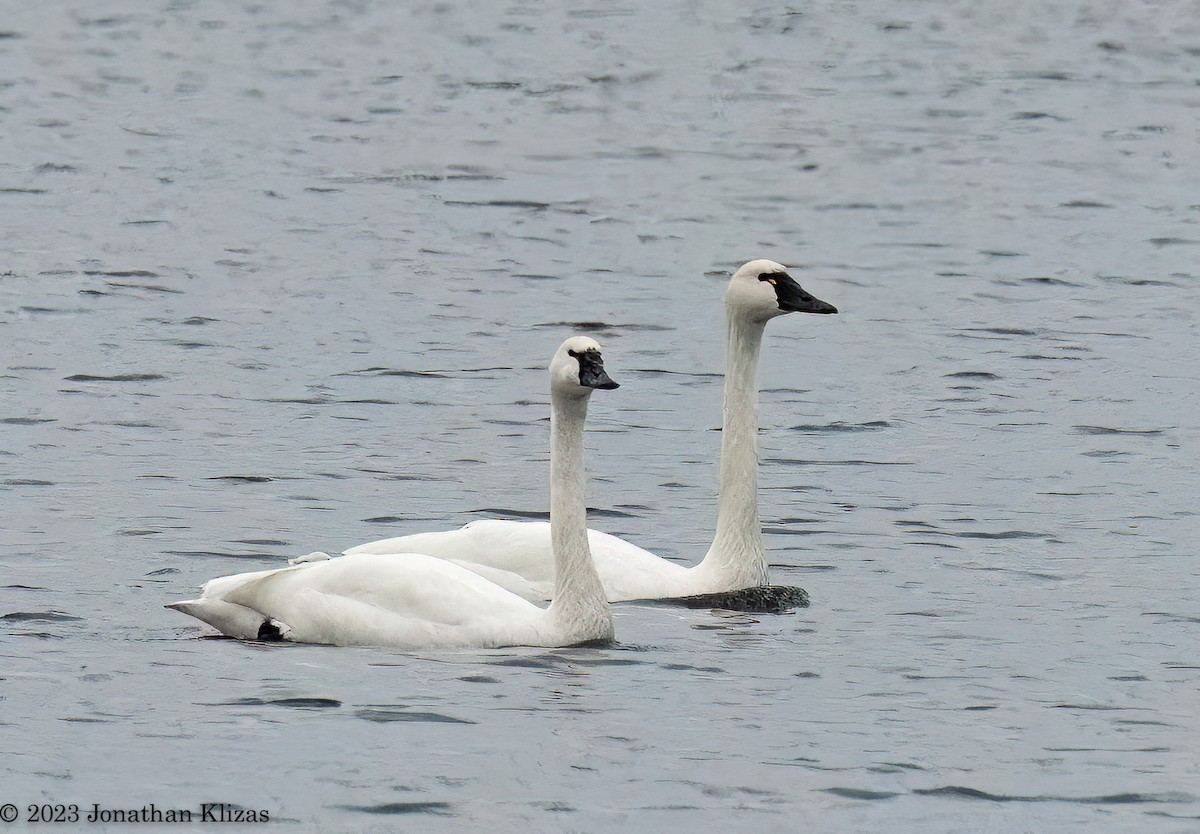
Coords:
281,277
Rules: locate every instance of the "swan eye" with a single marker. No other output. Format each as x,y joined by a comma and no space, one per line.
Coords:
771,278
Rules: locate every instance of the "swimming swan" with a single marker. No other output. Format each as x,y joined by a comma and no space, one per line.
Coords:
419,601
517,554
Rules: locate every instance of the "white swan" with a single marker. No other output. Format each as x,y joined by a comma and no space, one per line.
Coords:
423,602
517,554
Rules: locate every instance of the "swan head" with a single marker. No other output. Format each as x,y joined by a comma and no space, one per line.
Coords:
578,367
763,289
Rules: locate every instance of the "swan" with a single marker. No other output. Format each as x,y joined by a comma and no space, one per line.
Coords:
420,601
517,554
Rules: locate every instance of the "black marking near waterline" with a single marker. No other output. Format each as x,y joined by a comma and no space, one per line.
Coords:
270,631
792,297
591,370
764,599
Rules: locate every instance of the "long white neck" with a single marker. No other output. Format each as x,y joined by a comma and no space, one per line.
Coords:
736,558
580,609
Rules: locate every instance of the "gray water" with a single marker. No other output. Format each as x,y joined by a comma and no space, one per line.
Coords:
281,277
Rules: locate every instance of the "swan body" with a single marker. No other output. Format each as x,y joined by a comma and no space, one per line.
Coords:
517,554
420,601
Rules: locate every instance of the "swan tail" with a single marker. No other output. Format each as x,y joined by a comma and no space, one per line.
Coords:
233,620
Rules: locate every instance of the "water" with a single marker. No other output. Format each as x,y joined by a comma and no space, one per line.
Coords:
286,278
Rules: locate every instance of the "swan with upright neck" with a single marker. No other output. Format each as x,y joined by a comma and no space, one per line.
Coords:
517,554
420,601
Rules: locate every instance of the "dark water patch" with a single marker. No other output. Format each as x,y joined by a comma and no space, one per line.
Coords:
23,588
148,287
1091,707
960,792
147,223
813,428
199,320
384,519
1132,678
1034,115
26,482
123,273
263,542
1003,331
245,479
532,662
999,253
804,462
916,614
289,703
40,617
1084,204
1046,280
532,205
1138,282
389,715
766,599
25,421
1006,534
570,657
37,635
860,793
600,659
219,554
396,372
972,375
22,191
859,207
591,326
1106,430
495,85
390,808
1173,241
980,708
1177,618
163,572
479,679
609,513
115,378
1041,356
685,667
503,512
663,372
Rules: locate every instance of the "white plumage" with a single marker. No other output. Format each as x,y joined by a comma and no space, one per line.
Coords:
420,601
517,554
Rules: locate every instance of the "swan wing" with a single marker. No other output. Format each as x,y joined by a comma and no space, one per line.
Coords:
517,555
414,602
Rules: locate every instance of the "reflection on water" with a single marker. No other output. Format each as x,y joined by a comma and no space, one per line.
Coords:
285,279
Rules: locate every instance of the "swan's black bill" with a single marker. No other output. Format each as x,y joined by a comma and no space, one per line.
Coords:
793,298
591,371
